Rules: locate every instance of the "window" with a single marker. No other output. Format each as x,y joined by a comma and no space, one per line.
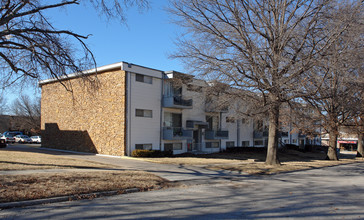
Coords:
143,113
213,122
143,146
173,120
245,143
243,121
294,141
173,146
230,119
212,144
230,144
258,126
143,78
258,142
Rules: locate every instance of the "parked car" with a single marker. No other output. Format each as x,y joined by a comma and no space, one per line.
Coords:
36,139
23,139
8,138
2,143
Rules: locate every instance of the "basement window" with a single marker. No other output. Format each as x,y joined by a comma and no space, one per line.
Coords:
143,146
173,146
230,144
212,144
245,143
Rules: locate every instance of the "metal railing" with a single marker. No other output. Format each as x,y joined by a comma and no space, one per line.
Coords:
176,133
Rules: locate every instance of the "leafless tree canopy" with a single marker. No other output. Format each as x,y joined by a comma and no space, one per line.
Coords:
27,112
32,48
263,47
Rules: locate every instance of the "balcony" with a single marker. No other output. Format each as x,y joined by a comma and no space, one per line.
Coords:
176,133
260,134
176,102
216,135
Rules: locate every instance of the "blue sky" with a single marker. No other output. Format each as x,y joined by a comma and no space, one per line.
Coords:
147,38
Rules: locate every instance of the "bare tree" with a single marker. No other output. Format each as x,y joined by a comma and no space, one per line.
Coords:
3,106
264,47
27,112
32,48
337,76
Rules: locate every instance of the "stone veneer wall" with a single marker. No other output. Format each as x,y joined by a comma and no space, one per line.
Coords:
87,119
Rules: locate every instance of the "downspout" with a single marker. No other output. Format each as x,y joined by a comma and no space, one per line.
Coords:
126,132
237,132
220,130
161,114
129,76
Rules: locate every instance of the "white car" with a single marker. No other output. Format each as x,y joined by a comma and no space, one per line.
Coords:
36,139
22,139
8,138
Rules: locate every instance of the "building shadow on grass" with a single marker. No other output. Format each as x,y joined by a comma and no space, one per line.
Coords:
70,140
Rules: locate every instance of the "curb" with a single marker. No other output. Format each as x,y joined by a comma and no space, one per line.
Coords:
10,205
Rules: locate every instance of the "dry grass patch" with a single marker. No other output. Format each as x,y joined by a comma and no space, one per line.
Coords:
262,168
37,186
253,162
19,160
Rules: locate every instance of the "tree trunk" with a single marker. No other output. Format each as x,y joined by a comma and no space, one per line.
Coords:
272,158
360,150
331,152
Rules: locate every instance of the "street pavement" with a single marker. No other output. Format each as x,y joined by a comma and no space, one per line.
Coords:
335,192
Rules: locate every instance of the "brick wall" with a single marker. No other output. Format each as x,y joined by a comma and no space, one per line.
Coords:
88,119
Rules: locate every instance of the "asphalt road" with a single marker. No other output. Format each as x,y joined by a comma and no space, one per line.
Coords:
328,193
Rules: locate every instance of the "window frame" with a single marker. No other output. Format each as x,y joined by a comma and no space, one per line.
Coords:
210,144
245,143
143,78
144,111
143,146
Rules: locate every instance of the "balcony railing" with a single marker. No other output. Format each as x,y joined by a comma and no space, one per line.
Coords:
176,102
260,134
213,134
176,133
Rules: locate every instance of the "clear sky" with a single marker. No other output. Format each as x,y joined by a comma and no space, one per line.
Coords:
147,38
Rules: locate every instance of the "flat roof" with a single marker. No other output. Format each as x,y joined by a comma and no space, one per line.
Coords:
120,65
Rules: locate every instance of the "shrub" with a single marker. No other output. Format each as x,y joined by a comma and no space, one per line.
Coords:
151,153
292,147
245,149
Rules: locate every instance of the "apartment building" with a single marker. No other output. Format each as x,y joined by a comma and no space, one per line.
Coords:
130,107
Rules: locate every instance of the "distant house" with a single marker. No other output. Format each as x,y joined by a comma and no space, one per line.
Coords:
135,107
